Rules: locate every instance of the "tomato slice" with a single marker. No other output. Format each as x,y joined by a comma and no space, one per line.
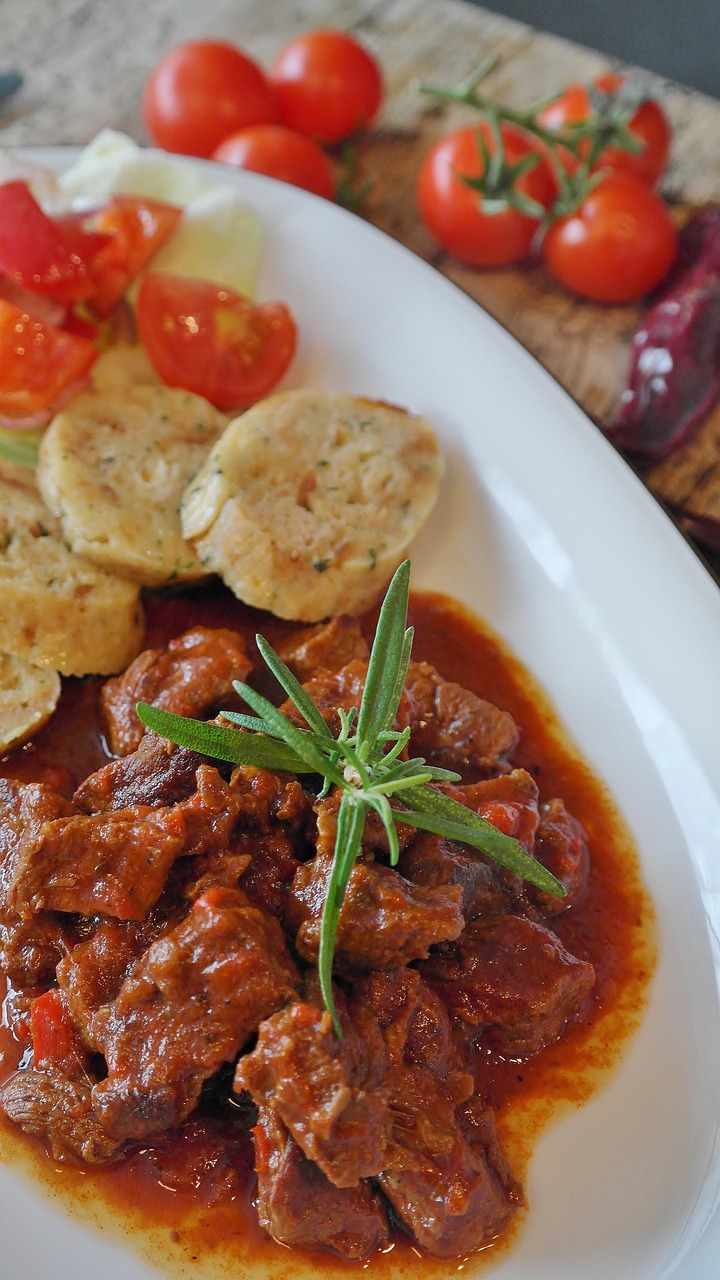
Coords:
214,341
35,252
133,229
37,360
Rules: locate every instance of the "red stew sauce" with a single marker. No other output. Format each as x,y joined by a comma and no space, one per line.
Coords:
185,1200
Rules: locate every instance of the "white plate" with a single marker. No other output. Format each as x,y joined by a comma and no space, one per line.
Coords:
544,530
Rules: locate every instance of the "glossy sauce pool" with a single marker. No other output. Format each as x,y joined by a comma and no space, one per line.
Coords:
185,1202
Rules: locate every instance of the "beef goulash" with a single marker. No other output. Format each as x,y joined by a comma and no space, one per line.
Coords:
160,921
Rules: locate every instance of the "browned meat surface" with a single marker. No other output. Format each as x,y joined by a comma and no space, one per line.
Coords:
448,722
385,921
509,802
271,871
92,974
444,1176
268,798
325,648
298,1205
158,773
190,677
513,981
457,1190
30,945
209,815
451,723
113,864
186,1008
331,1094
60,1111
562,847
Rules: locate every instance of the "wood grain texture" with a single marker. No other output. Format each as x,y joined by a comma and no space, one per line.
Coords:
90,73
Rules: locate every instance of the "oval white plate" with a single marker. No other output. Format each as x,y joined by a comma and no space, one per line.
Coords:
542,529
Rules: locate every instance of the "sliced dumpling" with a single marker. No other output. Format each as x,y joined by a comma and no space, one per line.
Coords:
57,609
113,466
309,500
28,697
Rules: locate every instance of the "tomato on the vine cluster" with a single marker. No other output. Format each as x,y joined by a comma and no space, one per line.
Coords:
454,212
208,98
649,124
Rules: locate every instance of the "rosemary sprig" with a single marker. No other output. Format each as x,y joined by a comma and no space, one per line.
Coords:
364,761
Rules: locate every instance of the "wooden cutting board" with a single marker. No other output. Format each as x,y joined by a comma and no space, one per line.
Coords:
92,72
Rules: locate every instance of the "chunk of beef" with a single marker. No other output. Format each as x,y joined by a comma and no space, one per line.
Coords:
190,677
327,647
374,836
385,921
60,1111
93,972
330,1093
446,721
562,847
30,946
509,802
298,1205
158,773
268,798
461,1192
444,1175
116,863
451,723
108,864
514,981
186,1008
270,873
415,1023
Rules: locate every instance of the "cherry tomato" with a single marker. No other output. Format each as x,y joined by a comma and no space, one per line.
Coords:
619,244
280,153
328,85
453,212
649,124
212,340
201,92
35,252
37,361
134,229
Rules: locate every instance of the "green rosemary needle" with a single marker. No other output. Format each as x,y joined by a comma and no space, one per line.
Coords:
364,760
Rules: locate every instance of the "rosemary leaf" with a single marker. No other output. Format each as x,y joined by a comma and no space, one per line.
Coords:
308,746
433,811
292,687
386,655
222,744
351,822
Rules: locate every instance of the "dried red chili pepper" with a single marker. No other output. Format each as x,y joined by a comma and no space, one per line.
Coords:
674,377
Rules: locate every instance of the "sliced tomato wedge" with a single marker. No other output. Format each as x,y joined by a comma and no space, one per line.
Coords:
214,341
134,229
35,252
37,361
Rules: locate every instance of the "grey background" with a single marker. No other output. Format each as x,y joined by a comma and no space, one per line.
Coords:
679,39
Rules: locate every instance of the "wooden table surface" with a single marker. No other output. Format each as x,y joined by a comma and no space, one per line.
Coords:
85,65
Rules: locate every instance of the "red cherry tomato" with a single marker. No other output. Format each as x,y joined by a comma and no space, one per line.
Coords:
649,124
619,244
37,361
35,252
212,340
201,92
328,85
134,230
280,153
453,212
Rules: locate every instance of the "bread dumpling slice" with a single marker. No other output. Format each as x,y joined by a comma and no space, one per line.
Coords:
28,697
57,609
309,500
113,466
